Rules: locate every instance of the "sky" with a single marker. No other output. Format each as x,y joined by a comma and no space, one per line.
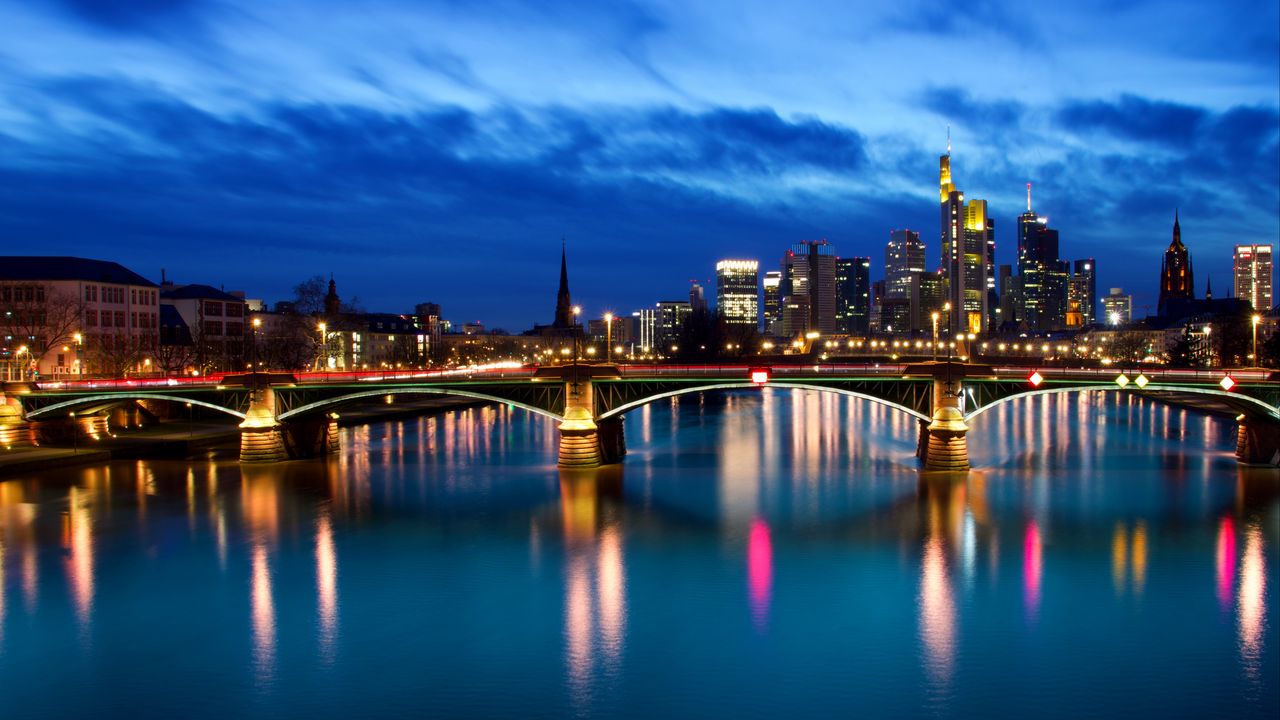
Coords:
441,151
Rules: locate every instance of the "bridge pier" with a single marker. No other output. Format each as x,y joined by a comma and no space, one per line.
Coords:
15,431
613,441
1257,442
948,448
579,437
261,436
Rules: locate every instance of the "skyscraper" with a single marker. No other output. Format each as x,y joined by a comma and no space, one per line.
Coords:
966,233
1253,275
773,302
738,292
1177,283
853,294
1118,307
903,255
697,298
809,280
1084,280
1043,291
671,317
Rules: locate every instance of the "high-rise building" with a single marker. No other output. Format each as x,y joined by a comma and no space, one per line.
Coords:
1043,288
966,233
1177,283
877,302
928,295
738,292
772,302
903,255
671,317
1117,307
1253,275
809,272
853,295
1082,292
1009,296
647,319
697,298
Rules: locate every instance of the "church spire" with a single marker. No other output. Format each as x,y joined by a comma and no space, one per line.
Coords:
564,305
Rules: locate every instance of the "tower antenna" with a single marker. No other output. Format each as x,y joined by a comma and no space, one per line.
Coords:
948,140
1028,197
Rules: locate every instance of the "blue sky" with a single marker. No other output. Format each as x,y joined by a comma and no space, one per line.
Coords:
441,150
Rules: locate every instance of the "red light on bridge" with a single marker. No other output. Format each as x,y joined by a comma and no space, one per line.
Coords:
1035,379
759,376
1227,383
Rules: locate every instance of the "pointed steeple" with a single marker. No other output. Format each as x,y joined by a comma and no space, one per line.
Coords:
332,305
1208,288
564,304
1177,232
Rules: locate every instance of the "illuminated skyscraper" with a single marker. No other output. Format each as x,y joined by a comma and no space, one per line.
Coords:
738,292
903,255
1043,283
1177,283
966,234
809,280
773,302
1253,275
1117,307
853,294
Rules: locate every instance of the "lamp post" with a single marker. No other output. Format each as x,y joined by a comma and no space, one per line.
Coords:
577,328
22,364
935,335
253,358
1256,319
323,359
79,360
75,435
608,336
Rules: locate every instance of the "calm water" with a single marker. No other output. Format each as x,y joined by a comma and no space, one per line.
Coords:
758,555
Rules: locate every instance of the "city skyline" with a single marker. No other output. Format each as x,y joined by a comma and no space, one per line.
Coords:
635,131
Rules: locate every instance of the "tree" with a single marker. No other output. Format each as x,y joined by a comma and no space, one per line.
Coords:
1181,355
40,317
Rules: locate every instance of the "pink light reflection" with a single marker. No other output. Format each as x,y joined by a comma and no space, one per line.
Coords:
760,572
1225,561
1032,568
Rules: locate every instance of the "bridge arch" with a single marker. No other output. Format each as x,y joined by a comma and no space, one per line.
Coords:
1235,401
740,385
113,398
320,405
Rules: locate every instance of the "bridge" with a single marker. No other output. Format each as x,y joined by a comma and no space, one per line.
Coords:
284,416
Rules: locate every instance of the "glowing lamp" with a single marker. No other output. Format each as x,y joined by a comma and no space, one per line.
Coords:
759,376
1035,379
1141,381
1122,380
1227,383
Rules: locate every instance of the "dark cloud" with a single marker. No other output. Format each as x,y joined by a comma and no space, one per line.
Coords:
957,105
133,16
1135,118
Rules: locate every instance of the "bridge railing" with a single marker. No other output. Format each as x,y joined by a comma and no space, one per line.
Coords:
1155,374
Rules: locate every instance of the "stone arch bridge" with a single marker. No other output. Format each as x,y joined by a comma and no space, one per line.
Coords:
281,417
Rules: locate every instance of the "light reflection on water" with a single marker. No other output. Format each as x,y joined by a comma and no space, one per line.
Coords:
799,566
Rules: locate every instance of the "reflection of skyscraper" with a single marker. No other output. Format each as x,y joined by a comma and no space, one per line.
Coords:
738,292
1177,283
809,280
853,294
1253,275
903,255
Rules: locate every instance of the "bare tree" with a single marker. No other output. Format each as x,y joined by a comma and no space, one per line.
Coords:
40,317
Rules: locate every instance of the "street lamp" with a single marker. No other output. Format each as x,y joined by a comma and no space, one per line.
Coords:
257,323
323,359
577,310
79,360
608,337
934,315
22,366
1256,319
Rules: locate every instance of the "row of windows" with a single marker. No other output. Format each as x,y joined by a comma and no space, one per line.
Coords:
215,308
115,295
145,320
215,327
22,293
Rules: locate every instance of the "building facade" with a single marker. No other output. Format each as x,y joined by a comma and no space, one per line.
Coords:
1177,281
1042,291
853,295
1252,274
1117,307
809,288
738,292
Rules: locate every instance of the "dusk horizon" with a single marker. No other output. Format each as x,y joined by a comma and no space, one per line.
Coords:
411,153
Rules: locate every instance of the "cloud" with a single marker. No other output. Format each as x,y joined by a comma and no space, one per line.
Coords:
958,105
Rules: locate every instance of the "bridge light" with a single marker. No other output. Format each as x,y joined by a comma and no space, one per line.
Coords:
759,376
1141,381
1227,383
1122,380
1035,379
